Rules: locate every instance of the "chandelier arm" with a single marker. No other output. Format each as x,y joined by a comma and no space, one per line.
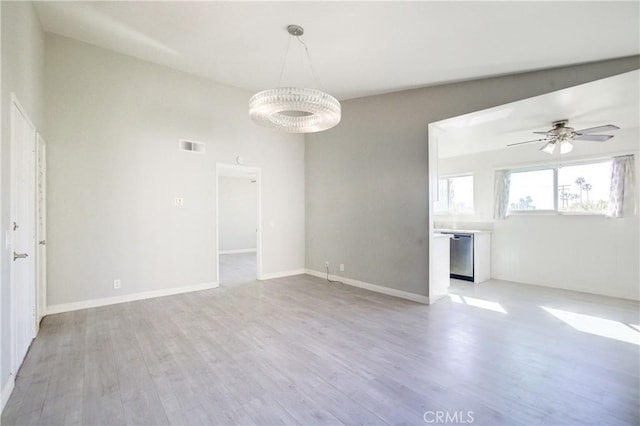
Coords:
284,62
313,69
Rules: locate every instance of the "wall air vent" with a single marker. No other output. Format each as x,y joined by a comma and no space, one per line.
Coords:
191,146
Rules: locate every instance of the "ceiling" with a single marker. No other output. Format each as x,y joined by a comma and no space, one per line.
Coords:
614,100
357,48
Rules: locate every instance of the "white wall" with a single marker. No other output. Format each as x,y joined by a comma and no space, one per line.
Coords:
114,170
368,178
238,210
22,74
592,254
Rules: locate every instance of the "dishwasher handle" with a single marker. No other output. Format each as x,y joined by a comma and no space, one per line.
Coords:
461,236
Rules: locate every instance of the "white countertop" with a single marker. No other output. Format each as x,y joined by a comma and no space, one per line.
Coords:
462,231
438,235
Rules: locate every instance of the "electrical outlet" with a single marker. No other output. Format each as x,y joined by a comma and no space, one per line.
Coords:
179,201
326,263
117,284
342,267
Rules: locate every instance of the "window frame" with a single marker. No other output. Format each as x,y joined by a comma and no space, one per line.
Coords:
448,211
554,168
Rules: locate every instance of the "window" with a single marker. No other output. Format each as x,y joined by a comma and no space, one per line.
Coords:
581,188
531,190
455,195
584,188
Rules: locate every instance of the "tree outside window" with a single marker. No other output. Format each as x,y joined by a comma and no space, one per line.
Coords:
575,188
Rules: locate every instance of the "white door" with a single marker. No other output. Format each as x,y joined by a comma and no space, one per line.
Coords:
23,222
42,228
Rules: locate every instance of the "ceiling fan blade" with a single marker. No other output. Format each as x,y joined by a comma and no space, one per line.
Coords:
598,129
522,143
594,138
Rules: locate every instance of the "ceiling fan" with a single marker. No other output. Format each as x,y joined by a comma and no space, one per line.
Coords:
563,135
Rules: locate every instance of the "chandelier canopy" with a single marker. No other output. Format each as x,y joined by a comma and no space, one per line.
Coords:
294,109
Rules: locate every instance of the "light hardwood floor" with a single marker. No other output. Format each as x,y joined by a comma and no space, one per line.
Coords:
299,350
237,268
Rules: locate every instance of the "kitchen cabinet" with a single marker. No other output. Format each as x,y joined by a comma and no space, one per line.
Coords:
439,274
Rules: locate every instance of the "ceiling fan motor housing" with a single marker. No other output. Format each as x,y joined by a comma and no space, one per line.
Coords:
560,123
561,130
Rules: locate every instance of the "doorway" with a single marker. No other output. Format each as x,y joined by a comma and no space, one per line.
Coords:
239,253
23,234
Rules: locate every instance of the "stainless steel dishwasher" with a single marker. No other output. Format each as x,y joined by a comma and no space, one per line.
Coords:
462,257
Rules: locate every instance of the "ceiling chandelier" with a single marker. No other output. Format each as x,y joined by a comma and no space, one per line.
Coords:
295,109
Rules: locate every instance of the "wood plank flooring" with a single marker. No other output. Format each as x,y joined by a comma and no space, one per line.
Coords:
299,350
237,268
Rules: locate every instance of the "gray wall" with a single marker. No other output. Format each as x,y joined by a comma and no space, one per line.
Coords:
114,170
238,210
22,74
367,179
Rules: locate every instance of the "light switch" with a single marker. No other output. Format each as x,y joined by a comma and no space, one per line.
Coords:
179,202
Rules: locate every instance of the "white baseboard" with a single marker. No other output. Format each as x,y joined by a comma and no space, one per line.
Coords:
282,274
7,389
434,298
372,287
67,307
237,251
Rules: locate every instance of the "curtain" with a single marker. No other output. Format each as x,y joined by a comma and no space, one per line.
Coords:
622,188
501,194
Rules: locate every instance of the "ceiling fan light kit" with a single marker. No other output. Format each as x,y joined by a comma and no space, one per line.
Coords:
565,147
295,109
563,135
549,147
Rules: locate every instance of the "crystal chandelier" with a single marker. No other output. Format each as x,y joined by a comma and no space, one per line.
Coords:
295,109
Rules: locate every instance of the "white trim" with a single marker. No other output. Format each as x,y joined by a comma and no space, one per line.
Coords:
2,236
237,251
574,161
434,134
7,390
434,299
41,250
282,274
373,287
74,306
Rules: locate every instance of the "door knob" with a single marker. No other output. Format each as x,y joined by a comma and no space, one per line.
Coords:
19,255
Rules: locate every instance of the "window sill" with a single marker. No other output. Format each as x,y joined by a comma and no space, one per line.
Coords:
446,214
554,213
532,213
